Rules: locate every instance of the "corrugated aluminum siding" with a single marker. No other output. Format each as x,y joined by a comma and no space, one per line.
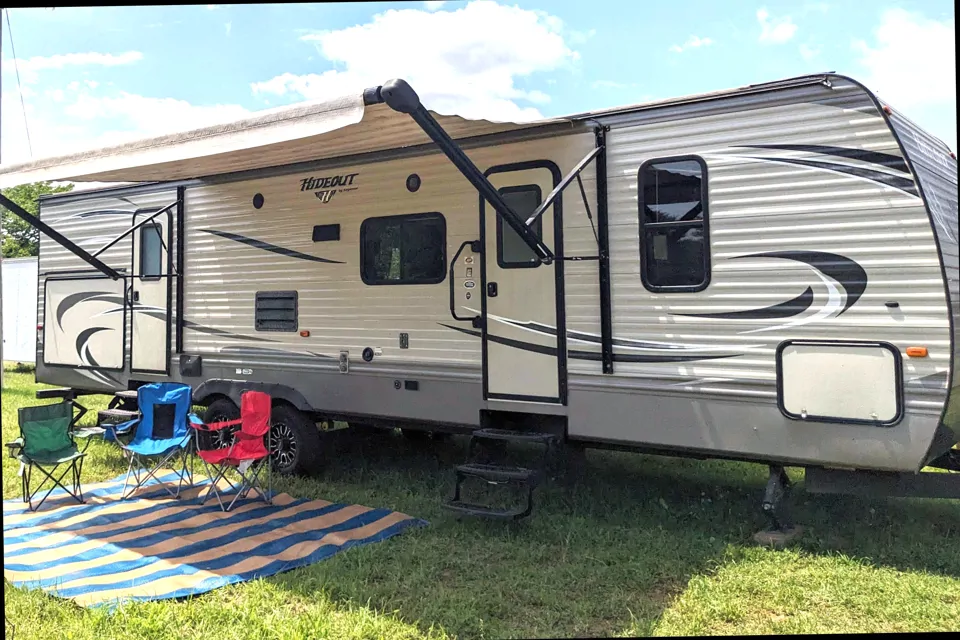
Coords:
758,206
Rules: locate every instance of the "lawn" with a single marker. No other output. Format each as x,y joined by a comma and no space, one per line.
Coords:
641,545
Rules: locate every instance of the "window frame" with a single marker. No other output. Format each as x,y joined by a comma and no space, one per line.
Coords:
517,189
704,222
404,217
152,226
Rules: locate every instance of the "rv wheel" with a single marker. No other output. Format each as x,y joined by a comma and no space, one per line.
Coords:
294,441
220,410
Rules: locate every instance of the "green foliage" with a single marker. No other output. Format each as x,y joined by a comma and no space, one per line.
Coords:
19,238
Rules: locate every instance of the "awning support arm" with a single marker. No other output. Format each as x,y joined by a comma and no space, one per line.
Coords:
557,190
56,236
135,227
399,96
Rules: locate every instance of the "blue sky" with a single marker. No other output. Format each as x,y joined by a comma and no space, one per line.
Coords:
96,76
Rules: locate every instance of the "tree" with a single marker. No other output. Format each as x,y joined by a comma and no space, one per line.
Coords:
19,238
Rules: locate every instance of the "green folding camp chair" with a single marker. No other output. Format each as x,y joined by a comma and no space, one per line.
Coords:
46,443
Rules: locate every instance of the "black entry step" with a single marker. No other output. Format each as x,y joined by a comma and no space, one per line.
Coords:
57,392
497,473
127,394
482,511
116,416
514,436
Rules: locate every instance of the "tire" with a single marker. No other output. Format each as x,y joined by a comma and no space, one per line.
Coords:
220,410
294,442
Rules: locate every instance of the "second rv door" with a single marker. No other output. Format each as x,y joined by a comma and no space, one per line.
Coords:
149,294
523,339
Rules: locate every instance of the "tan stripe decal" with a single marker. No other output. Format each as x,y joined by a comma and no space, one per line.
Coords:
299,550
143,520
169,546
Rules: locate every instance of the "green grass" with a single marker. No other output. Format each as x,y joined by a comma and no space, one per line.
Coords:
641,545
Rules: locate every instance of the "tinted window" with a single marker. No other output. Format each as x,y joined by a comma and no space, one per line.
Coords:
408,249
512,251
151,251
673,225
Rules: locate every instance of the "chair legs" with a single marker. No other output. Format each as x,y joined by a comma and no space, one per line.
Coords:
137,468
249,480
74,467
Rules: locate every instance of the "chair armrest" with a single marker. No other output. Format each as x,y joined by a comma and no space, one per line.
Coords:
213,426
116,430
13,446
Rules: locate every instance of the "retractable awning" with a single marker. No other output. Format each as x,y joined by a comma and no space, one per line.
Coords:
298,133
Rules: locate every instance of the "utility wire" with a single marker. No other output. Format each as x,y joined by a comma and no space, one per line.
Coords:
16,68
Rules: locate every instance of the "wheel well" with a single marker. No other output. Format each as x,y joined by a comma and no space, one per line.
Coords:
210,390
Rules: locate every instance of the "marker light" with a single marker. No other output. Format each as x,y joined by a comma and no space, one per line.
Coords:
304,334
917,352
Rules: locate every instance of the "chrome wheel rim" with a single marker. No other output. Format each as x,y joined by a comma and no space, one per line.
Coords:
283,445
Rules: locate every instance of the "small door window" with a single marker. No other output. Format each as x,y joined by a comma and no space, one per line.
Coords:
151,251
512,251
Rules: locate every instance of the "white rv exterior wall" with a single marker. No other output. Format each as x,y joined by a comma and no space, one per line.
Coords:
20,309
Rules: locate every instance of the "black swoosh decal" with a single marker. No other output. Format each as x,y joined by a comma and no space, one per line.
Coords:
903,184
263,351
85,335
71,300
783,310
222,333
582,355
848,273
103,212
873,157
90,358
266,246
586,337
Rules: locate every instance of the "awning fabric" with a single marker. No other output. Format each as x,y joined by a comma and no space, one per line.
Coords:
297,133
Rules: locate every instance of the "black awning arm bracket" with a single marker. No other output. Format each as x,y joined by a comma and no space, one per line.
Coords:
59,238
399,96
137,226
567,179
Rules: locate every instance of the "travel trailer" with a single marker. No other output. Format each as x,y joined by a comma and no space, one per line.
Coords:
766,274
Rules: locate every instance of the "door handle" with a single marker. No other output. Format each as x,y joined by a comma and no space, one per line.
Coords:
491,289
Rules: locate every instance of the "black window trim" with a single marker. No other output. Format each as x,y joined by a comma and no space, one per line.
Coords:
517,265
405,216
705,222
159,229
292,293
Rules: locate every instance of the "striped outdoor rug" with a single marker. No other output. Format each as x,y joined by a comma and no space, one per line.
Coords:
153,547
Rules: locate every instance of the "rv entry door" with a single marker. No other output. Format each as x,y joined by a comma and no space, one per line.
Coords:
148,293
523,341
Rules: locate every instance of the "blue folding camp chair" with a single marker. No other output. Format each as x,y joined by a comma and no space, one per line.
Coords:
161,437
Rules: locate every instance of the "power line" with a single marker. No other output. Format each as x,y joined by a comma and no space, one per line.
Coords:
16,68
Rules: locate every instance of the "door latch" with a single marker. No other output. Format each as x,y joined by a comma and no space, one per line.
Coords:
491,289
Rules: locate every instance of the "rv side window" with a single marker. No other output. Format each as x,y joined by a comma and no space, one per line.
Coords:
674,244
406,249
151,251
512,252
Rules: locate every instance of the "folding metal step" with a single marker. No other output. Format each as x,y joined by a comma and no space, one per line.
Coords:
514,436
115,416
127,394
496,474
483,511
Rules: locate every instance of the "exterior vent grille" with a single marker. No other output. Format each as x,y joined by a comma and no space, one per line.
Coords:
276,311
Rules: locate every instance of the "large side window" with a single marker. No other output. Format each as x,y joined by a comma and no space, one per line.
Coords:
674,242
406,249
151,251
512,251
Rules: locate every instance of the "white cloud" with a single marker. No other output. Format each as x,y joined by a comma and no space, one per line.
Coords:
433,5
30,66
809,52
228,26
693,42
77,119
775,30
466,61
912,65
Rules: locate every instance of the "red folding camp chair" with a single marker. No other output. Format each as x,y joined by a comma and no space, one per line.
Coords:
248,453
